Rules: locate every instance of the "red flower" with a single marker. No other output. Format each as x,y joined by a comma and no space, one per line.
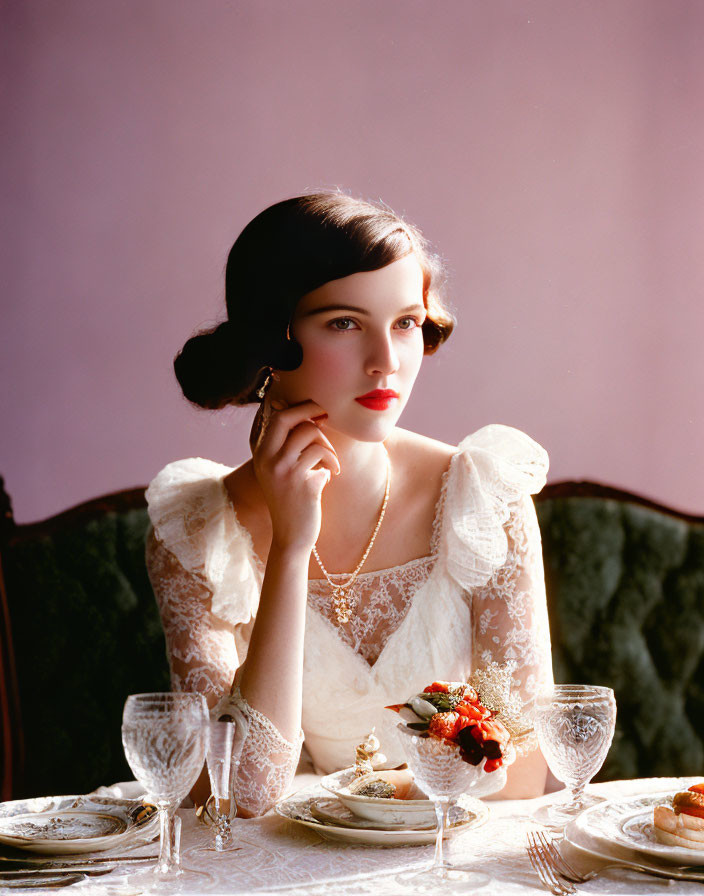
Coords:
492,736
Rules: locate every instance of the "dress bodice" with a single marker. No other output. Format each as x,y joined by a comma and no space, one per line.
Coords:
479,595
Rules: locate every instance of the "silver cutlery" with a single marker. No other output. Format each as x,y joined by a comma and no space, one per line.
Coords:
39,872
35,861
59,880
568,872
544,865
87,870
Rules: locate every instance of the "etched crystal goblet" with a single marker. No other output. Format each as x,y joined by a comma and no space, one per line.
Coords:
575,726
165,738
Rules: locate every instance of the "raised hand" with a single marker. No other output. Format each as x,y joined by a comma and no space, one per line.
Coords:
293,462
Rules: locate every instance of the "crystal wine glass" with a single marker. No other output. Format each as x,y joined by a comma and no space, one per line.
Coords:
441,772
165,738
575,727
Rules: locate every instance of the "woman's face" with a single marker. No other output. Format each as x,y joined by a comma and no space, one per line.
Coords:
360,334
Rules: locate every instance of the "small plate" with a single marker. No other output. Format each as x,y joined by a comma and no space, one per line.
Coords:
634,860
627,824
414,813
297,809
61,825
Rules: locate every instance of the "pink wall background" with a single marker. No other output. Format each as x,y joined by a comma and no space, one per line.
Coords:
552,151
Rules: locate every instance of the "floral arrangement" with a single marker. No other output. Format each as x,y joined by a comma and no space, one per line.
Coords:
453,712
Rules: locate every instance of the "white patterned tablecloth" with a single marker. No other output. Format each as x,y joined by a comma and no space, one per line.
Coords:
279,856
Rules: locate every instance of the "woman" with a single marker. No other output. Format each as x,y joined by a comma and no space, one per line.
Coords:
332,304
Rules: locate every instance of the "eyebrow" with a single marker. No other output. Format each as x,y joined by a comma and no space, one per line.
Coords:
356,309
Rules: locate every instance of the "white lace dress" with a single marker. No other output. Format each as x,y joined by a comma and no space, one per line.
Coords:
478,596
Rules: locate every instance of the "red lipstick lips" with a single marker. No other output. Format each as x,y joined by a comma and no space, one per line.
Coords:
378,399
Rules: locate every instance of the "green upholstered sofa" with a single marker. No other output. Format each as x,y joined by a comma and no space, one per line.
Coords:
625,584
79,631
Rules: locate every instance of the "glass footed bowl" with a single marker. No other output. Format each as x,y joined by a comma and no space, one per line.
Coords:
441,772
440,769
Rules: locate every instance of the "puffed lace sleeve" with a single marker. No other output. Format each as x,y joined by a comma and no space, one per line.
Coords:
492,547
202,569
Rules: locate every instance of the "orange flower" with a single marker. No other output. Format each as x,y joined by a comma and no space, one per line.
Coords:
464,722
477,713
442,687
470,695
444,724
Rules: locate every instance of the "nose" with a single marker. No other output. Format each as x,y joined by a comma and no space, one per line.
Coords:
382,357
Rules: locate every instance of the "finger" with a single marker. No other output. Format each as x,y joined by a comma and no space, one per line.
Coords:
321,476
302,436
318,454
282,422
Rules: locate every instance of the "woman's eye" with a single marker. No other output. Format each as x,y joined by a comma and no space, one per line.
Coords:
408,323
342,323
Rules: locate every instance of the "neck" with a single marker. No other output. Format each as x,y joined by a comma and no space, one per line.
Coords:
362,470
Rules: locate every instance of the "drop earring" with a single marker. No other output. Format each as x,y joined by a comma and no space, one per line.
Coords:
262,390
270,377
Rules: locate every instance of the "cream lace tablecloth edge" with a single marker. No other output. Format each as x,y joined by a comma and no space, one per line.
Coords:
278,856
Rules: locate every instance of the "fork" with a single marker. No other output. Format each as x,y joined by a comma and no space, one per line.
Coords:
543,862
560,865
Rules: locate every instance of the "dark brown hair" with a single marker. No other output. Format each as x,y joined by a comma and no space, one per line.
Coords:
288,250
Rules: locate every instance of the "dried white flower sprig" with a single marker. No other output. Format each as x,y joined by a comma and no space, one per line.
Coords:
496,687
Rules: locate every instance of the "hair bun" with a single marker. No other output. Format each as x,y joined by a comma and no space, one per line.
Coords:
207,368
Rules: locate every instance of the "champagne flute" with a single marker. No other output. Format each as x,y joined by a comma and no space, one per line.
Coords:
165,738
575,726
221,764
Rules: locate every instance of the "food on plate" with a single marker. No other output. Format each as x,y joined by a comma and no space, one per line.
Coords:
454,712
397,784
682,824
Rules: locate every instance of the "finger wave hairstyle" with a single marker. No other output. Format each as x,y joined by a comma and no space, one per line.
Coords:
288,250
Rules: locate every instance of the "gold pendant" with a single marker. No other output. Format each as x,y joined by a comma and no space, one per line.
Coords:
342,608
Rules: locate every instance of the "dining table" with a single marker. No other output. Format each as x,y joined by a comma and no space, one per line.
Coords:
274,854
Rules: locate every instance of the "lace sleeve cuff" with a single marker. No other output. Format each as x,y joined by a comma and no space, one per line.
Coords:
267,761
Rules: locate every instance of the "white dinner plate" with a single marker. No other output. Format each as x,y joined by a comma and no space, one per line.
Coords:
61,825
627,825
297,809
628,858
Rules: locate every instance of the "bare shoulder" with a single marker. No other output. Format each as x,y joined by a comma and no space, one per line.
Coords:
416,453
419,463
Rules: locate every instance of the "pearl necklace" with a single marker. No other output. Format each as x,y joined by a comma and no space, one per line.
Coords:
338,598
